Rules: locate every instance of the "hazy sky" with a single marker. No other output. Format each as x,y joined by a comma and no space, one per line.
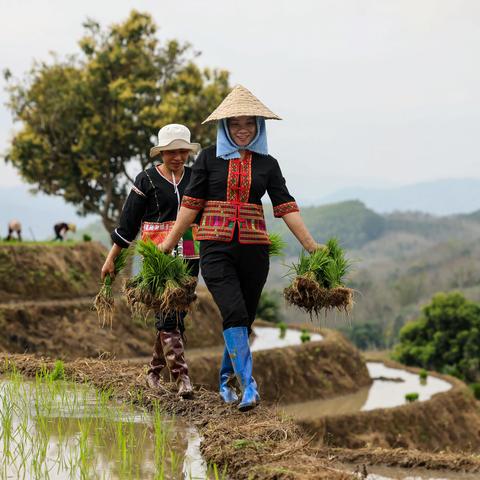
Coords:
373,92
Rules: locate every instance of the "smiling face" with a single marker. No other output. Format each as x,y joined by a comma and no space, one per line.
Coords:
242,130
174,160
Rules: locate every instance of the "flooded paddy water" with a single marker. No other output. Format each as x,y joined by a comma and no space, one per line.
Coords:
389,388
269,337
53,429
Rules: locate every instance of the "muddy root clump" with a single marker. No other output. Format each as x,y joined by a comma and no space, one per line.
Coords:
175,298
104,305
308,295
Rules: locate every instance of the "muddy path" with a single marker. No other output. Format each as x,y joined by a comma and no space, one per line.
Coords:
258,445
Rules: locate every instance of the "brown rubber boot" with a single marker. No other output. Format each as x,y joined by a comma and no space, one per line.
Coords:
175,356
157,364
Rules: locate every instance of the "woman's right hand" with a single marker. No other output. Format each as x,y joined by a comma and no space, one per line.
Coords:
108,268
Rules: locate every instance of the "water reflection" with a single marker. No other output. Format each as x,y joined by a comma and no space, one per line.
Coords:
382,393
60,430
269,337
386,394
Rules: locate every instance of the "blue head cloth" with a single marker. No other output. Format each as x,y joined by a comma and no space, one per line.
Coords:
228,149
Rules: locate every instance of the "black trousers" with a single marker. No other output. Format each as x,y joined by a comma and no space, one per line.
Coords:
235,275
172,321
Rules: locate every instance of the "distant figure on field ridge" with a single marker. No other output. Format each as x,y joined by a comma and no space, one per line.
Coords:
14,226
61,230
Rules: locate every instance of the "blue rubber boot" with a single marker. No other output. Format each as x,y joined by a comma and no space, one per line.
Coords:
226,373
236,340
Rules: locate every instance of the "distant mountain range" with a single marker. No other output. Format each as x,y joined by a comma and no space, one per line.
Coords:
441,197
38,212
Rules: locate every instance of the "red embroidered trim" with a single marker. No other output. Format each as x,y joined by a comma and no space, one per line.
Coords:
219,219
192,202
284,208
239,178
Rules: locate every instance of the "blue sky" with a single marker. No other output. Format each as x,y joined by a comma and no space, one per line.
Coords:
373,92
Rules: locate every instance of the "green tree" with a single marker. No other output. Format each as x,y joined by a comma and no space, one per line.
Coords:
85,121
445,338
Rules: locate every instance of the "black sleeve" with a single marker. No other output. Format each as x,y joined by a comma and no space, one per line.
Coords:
196,191
282,201
132,213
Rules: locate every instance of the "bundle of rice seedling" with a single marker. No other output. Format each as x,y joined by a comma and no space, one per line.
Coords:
104,303
163,284
318,281
277,245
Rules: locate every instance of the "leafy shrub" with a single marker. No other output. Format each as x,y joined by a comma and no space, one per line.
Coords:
476,389
365,336
86,237
446,338
269,307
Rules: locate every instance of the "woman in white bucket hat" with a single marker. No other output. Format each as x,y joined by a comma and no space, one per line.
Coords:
152,207
229,179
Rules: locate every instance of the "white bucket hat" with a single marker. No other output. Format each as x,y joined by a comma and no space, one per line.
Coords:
174,137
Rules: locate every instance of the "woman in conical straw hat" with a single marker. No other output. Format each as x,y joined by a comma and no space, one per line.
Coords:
152,207
227,184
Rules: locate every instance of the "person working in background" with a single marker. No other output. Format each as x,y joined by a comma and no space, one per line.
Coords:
61,230
14,226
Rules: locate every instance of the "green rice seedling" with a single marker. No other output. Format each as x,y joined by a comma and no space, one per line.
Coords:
277,245
318,280
305,336
282,326
58,372
163,284
412,397
104,302
213,469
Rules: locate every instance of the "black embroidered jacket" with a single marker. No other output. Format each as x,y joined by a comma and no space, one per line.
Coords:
230,191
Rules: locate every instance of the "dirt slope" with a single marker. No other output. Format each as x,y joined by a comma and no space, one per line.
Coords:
50,271
46,293
69,329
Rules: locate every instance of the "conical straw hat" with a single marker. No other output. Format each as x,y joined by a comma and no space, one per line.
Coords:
240,102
